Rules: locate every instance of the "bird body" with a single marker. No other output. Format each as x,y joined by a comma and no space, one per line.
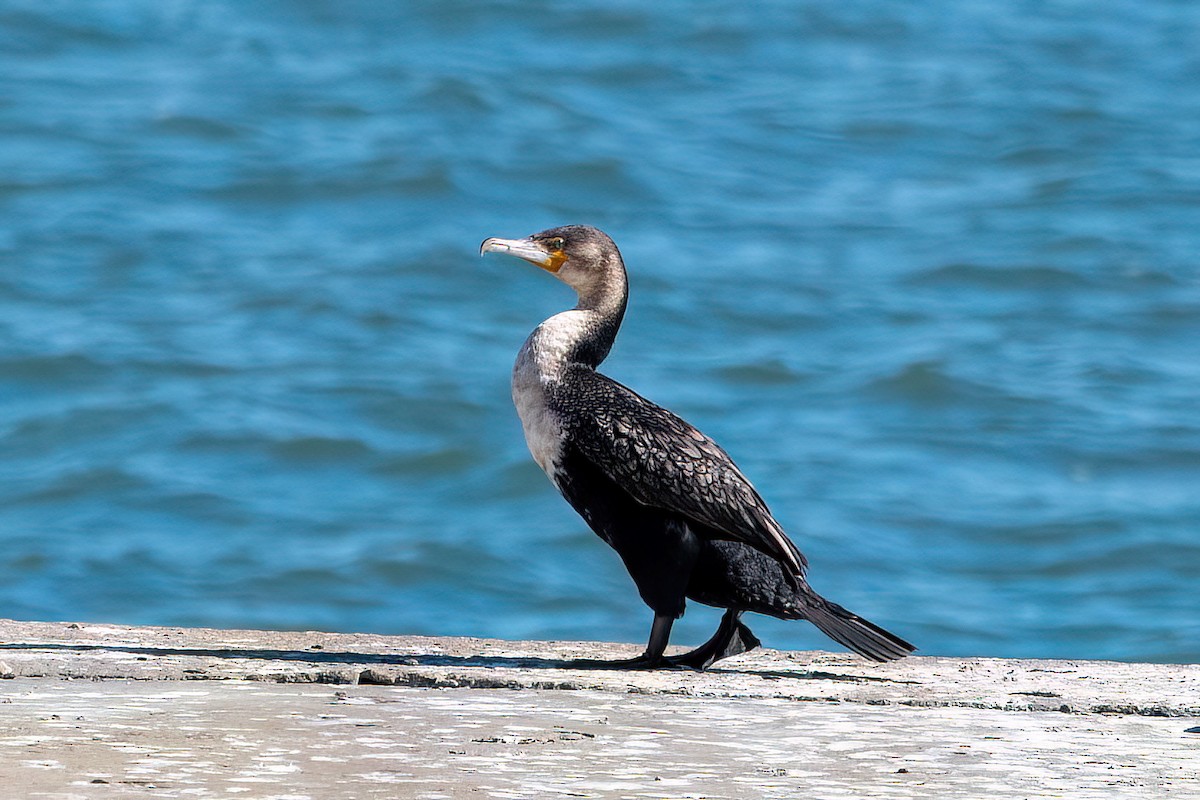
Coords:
683,518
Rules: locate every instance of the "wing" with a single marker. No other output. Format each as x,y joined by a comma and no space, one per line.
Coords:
664,462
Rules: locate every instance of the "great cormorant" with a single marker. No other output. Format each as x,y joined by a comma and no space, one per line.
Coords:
678,511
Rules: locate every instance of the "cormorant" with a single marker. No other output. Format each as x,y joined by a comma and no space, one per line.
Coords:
667,498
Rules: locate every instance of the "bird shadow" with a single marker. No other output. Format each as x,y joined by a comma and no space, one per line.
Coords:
308,656
816,675
344,658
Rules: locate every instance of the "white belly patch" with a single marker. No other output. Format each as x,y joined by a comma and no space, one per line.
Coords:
543,434
538,366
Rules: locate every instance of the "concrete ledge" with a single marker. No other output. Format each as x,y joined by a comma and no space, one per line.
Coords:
168,712
57,650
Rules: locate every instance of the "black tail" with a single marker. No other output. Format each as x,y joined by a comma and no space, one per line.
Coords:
847,628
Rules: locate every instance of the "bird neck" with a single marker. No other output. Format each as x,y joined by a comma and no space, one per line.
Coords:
598,316
594,334
579,337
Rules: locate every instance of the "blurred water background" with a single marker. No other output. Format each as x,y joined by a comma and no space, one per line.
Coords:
928,271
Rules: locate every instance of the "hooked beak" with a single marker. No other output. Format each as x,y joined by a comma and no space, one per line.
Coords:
527,249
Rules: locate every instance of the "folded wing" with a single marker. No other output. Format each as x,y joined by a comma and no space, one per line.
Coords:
664,462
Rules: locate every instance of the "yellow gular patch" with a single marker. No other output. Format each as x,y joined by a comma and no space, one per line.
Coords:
557,259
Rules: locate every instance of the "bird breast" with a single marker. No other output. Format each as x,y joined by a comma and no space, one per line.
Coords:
538,367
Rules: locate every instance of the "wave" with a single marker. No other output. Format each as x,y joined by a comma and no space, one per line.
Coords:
932,383
1003,277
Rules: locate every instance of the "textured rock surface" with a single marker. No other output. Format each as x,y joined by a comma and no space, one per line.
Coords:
206,713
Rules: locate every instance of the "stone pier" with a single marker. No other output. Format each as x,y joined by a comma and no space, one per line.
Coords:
108,711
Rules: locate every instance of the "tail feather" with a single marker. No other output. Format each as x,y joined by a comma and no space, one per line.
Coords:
847,628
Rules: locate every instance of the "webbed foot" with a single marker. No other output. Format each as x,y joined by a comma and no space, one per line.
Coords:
644,661
732,637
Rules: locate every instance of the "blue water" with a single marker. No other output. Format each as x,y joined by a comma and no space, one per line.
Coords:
928,271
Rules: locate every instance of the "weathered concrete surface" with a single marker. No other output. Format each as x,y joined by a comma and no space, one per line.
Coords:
33,649
204,713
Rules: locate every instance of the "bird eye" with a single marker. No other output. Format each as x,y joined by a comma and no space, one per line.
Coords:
556,243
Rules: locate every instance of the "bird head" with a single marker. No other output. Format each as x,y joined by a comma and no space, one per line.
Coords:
582,257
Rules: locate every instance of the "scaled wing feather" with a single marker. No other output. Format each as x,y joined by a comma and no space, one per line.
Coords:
664,462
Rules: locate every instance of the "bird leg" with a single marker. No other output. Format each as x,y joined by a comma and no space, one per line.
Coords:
653,658
660,634
732,637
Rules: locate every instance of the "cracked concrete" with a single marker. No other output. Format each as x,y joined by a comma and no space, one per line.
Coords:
112,711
